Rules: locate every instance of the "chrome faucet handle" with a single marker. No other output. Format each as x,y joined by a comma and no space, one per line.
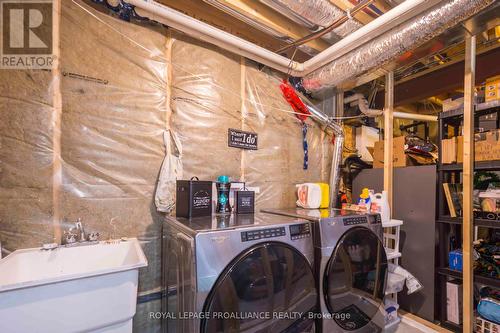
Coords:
49,246
93,237
69,237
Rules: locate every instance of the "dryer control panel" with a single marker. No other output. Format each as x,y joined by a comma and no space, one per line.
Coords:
375,219
355,220
262,234
298,231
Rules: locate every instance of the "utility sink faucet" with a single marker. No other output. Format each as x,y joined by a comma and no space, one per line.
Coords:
77,234
80,230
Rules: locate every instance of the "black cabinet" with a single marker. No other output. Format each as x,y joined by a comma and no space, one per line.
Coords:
415,204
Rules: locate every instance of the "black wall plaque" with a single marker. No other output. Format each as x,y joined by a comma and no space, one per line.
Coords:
241,139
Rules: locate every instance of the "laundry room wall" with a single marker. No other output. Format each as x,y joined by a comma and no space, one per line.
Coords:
213,90
85,140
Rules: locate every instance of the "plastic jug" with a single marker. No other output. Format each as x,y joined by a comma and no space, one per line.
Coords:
380,204
309,195
325,195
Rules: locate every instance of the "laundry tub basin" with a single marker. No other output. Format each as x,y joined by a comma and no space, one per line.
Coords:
88,288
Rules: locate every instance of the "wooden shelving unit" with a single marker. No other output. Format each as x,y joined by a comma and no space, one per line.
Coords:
478,222
447,225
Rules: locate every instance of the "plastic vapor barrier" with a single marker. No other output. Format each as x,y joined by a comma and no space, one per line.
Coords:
223,91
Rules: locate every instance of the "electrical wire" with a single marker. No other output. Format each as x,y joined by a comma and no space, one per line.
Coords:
315,35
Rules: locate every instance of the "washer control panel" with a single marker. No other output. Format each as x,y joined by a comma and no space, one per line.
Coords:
298,231
262,234
375,219
355,220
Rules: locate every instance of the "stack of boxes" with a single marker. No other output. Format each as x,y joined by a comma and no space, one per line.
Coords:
492,89
486,148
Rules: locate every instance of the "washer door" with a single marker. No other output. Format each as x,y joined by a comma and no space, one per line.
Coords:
265,289
355,277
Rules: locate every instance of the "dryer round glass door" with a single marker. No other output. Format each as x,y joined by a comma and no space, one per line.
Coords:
267,288
354,279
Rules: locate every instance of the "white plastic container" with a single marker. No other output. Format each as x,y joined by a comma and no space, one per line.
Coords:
309,195
490,201
395,283
380,204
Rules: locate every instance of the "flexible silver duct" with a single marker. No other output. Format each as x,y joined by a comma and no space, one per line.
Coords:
338,146
393,43
315,13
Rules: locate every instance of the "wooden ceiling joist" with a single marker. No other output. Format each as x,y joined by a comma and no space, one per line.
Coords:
442,79
208,14
346,5
272,19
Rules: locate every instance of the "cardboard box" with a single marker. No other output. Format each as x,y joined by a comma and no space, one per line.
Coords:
492,89
460,149
449,150
453,104
454,301
486,147
399,157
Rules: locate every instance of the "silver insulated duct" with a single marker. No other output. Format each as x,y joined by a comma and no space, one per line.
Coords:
314,14
338,146
393,43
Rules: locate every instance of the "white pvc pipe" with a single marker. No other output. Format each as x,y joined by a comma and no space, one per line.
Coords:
360,100
225,40
414,116
210,34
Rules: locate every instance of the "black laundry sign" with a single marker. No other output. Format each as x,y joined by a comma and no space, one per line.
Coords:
241,139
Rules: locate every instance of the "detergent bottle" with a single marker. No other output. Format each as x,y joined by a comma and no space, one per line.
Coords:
364,199
223,187
380,204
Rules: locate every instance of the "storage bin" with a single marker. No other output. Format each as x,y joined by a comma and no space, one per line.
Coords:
485,326
490,201
194,198
395,283
455,260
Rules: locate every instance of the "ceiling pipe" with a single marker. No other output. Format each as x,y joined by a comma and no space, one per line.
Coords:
215,36
232,43
362,103
415,116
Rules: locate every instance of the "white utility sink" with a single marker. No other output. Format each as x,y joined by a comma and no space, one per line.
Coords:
88,288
